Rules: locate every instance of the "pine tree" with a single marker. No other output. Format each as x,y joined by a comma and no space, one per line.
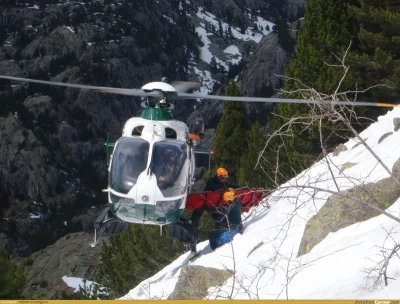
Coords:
328,30
220,28
282,29
135,255
230,139
228,33
378,58
12,279
373,59
247,174
213,65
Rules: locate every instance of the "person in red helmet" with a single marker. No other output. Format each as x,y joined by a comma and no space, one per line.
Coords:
219,217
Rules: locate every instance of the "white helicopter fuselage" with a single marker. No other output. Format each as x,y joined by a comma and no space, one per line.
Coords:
141,194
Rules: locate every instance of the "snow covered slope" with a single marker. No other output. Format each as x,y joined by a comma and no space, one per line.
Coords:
265,259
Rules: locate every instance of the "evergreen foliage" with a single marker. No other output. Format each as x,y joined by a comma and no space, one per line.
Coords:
248,174
93,292
372,27
296,151
282,29
327,32
230,139
378,58
12,279
213,65
135,255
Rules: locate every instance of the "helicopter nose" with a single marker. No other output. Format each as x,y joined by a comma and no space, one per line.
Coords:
146,189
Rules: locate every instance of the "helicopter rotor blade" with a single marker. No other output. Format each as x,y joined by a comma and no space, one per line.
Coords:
188,85
282,100
184,86
130,92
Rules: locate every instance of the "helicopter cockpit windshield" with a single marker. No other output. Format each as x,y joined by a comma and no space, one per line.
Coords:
129,160
170,167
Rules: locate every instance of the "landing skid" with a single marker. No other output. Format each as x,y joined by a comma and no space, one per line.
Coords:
106,225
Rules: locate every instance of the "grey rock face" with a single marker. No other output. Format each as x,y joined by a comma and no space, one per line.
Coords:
396,123
24,162
384,136
341,211
11,68
340,148
57,155
39,105
67,134
194,282
264,68
294,7
70,256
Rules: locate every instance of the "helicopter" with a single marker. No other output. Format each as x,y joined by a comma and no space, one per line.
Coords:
150,146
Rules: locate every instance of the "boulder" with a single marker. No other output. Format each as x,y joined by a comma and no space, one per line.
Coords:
348,165
339,149
396,123
39,105
384,136
194,281
69,256
341,210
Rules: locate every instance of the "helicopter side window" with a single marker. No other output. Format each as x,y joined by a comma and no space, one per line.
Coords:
129,160
137,131
170,133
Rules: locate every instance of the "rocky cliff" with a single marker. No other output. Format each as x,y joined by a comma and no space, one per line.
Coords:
52,160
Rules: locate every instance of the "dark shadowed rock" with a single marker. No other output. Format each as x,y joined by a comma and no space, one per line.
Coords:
57,44
39,105
52,155
264,68
67,134
11,68
24,161
295,7
69,256
7,244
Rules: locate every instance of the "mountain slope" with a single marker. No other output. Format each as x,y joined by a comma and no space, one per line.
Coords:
263,262
53,161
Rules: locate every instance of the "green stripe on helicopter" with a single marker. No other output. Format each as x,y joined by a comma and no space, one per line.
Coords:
145,212
156,114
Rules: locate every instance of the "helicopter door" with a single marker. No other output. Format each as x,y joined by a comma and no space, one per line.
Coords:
129,160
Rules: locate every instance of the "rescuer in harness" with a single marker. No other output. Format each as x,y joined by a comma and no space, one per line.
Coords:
221,200
224,216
